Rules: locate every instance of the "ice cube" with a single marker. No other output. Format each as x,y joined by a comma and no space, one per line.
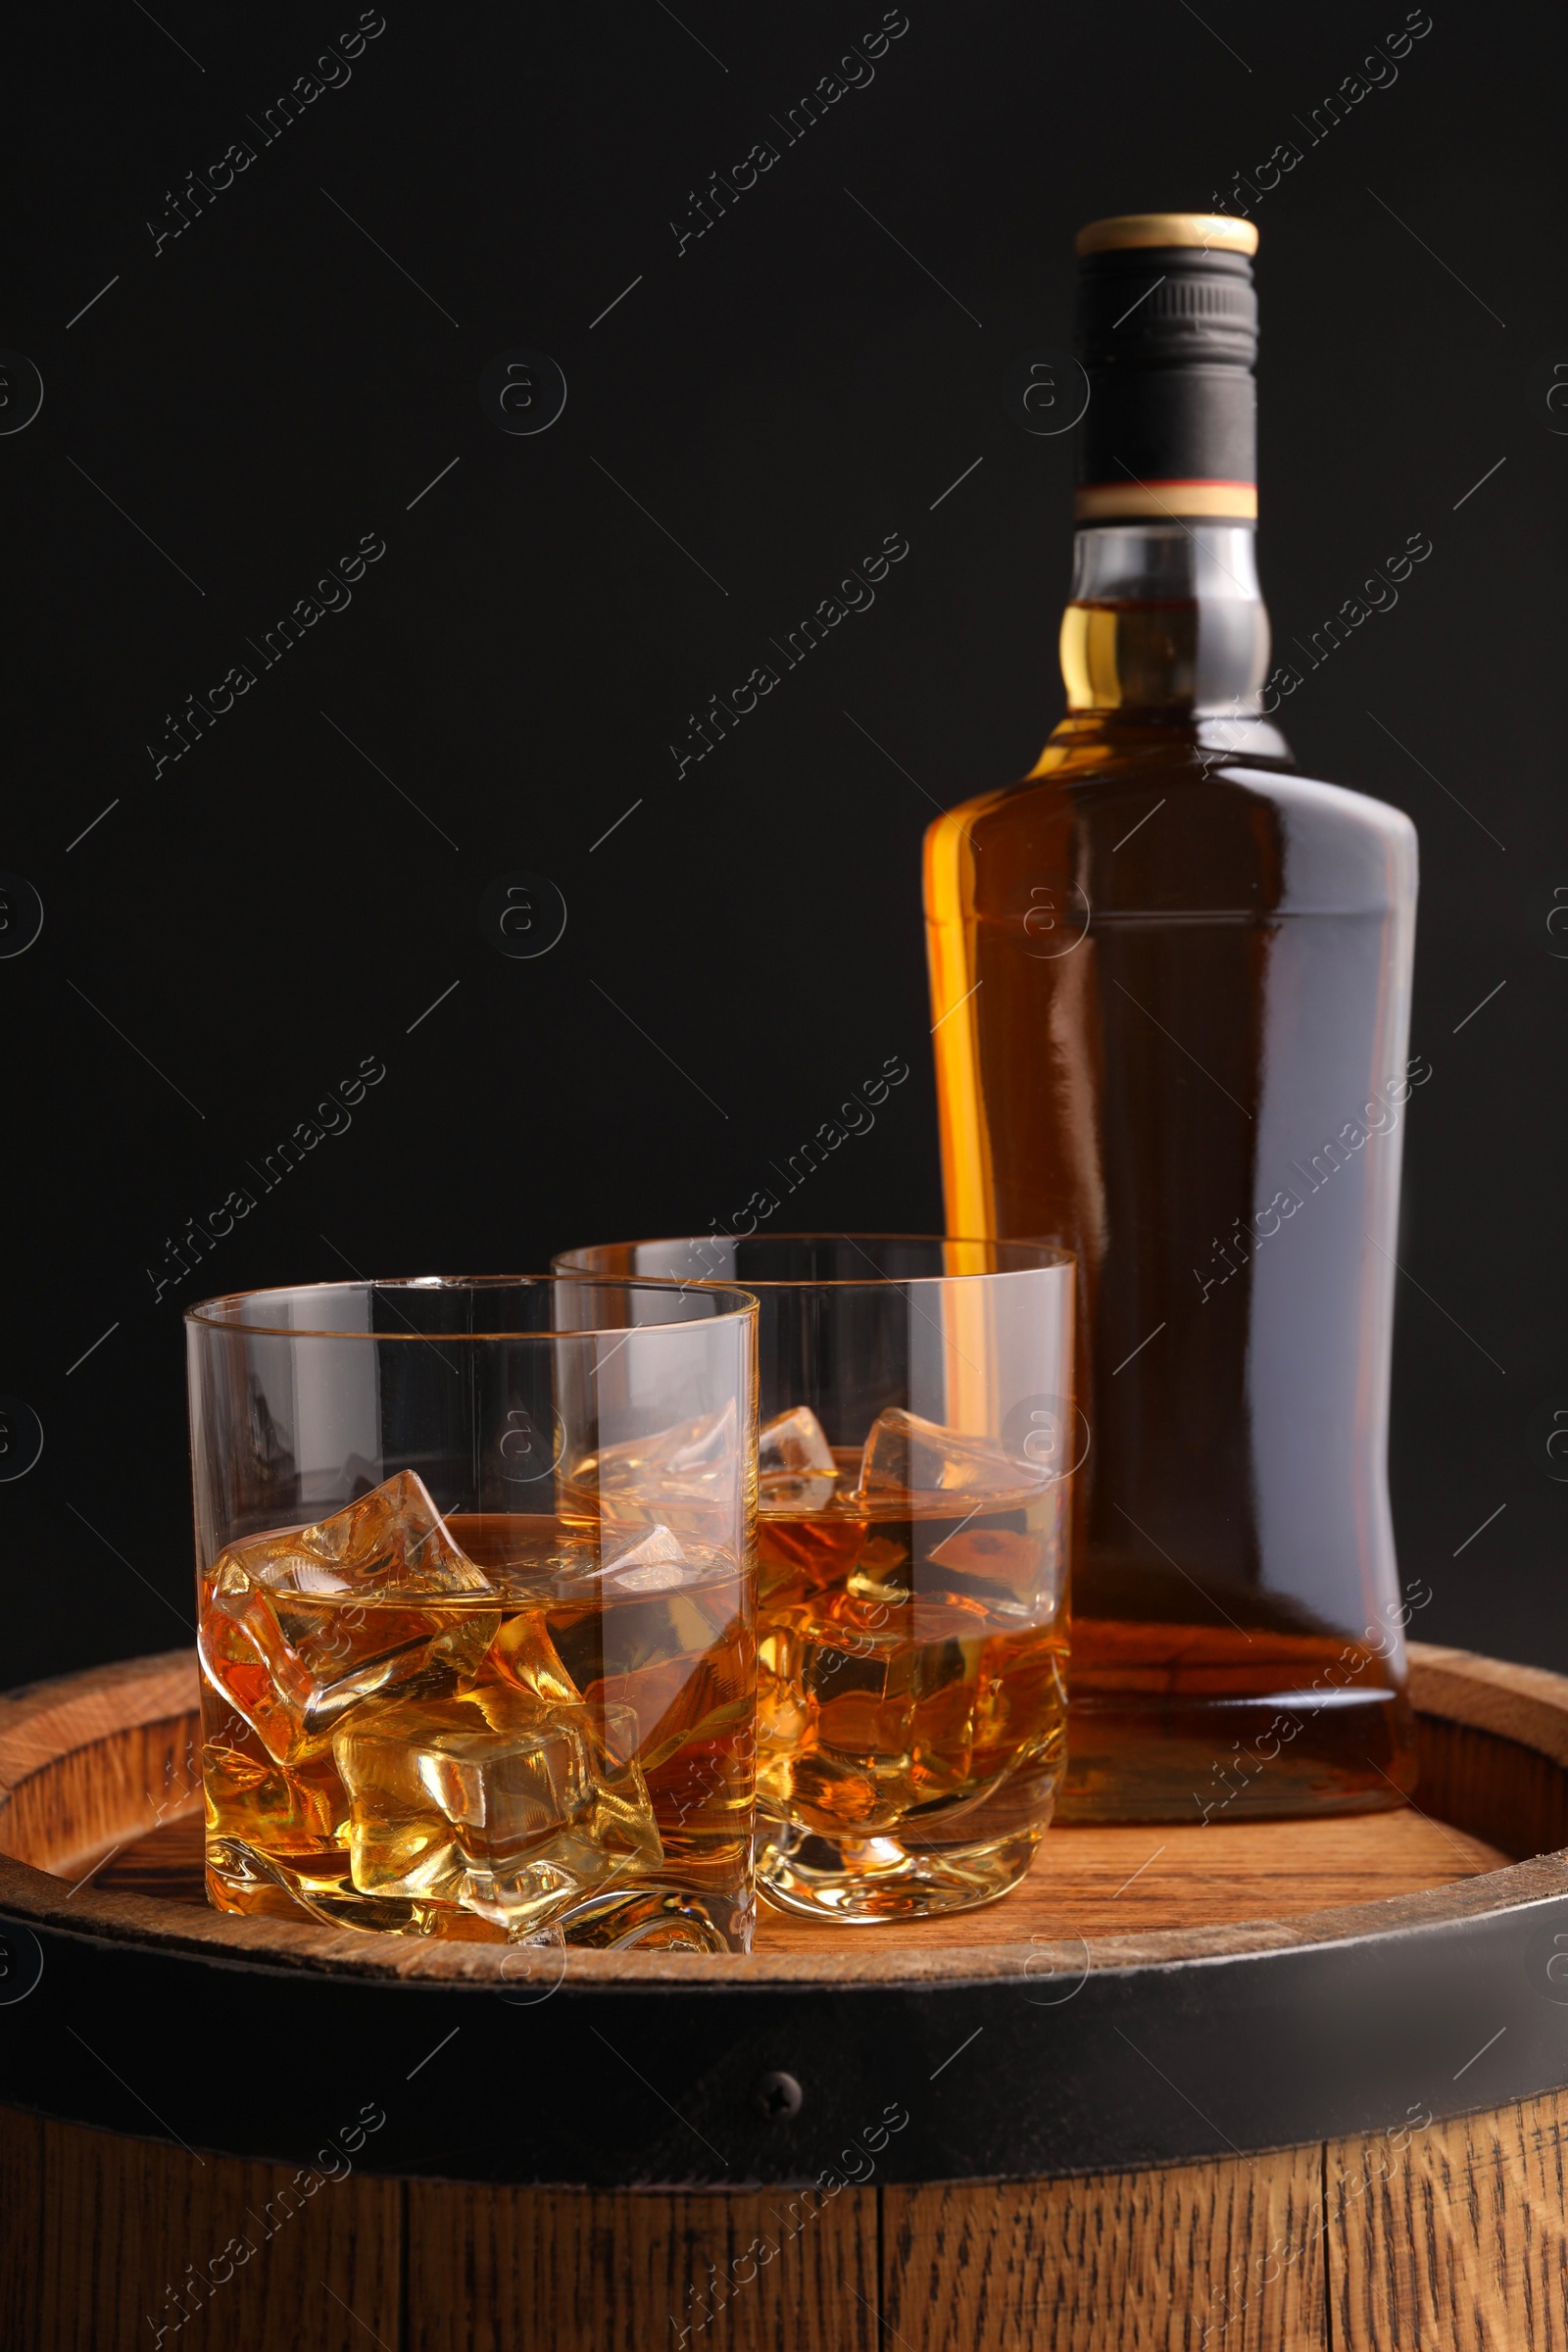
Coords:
792,1444
393,1540
859,1723
1017,1570
693,1468
494,1801
655,1566
794,1463
670,1640
297,1628
249,1796
530,1564
904,1455
523,1653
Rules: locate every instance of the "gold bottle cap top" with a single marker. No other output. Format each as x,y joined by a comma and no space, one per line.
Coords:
1214,232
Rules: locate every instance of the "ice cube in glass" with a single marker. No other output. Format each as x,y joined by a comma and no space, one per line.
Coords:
494,1801
296,1627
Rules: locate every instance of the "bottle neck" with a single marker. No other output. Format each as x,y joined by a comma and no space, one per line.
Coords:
1166,623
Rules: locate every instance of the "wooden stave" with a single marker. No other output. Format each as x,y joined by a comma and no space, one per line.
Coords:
1199,2002
1461,2242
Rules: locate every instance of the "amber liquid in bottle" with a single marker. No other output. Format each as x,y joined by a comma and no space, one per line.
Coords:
1170,986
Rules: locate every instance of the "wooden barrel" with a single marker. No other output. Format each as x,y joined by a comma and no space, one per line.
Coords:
1251,2085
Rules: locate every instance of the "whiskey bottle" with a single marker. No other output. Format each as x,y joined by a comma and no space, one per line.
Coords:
1170,988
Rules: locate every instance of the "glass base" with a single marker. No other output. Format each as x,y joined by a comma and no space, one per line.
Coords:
660,1919
242,1878
865,1882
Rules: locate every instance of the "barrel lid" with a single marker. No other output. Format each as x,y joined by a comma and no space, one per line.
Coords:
1296,2027
1214,232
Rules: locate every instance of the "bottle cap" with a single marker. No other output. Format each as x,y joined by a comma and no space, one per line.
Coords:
1168,333
1214,232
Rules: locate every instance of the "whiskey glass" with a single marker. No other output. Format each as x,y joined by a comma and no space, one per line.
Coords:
917,1440
477,1607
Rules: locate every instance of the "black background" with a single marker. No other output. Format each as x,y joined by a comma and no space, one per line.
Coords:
240,930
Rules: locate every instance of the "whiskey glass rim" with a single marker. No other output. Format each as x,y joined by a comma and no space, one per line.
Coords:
1035,1258
225,1312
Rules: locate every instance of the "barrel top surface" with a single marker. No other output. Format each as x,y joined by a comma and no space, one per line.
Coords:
1149,1995
1113,1898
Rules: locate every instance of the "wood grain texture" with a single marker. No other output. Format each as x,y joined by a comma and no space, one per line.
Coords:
22,2203
1088,1879
136,2237
1451,2238
90,1762
86,1760
531,2270
1127,2262
883,1957
1470,1777
1519,1702
1456,2237
1462,2242
50,1719
1092,1878
67,1806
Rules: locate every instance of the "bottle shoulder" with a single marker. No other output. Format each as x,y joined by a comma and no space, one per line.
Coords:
1175,825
